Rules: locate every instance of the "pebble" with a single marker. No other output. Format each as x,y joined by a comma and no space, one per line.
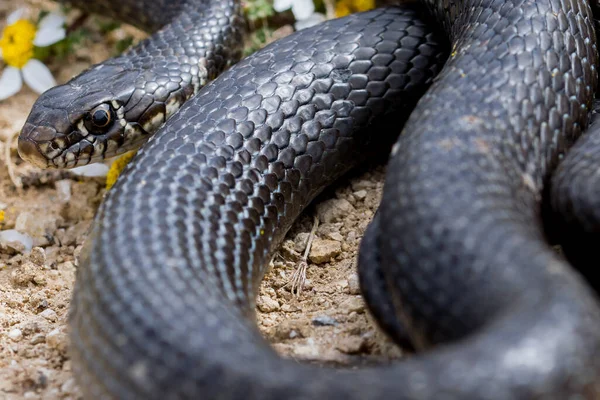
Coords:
15,334
324,320
38,256
57,340
38,338
360,194
362,184
335,236
323,250
63,190
309,350
267,304
23,274
290,329
300,242
14,240
38,301
351,345
49,314
38,226
68,386
333,210
352,304
353,284
74,235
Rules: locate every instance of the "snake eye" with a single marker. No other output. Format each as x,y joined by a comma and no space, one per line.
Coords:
99,118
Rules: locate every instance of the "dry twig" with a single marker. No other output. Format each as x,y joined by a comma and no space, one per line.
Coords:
299,277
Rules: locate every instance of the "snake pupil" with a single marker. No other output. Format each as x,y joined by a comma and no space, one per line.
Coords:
100,118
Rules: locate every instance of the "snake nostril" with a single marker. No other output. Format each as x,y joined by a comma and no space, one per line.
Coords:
31,153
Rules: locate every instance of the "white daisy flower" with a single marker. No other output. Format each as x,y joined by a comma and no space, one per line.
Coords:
303,10
17,43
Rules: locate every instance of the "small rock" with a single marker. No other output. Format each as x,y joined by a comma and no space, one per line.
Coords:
363,184
23,274
49,314
15,334
37,225
38,338
284,294
352,304
267,304
38,300
307,351
287,250
333,210
38,256
39,279
289,329
352,237
63,190
324,250
68,386
30,328
289,308
351,345
360,194
57,340
300,242
337,236
353,284
324,320
75,234
15,241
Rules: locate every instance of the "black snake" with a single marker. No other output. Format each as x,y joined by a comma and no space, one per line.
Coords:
457,254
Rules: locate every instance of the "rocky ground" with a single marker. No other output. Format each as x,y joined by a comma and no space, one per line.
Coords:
327,322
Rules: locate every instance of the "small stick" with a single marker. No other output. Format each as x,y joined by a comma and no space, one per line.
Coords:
299,277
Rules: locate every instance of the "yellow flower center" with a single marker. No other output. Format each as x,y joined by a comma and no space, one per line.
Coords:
16,43
346,7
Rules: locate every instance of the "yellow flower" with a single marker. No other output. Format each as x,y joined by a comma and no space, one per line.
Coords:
346,7
17,42
1,216
117,167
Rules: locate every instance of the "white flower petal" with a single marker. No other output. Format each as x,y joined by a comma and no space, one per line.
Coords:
53,20
37,76
314,19
10,82
47,36
96,169
282,5
15,16
12,235
303,9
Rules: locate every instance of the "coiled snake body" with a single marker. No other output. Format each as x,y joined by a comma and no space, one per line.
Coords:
163,303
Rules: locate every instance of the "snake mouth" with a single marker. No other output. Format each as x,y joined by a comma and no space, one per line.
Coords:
44,147
30,152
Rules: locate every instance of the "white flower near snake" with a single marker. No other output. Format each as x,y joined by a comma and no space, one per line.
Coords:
458,260
17,43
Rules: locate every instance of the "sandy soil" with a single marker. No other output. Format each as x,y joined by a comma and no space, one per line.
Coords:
326,323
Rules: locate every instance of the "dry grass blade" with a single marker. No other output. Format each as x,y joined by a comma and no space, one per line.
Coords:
299,277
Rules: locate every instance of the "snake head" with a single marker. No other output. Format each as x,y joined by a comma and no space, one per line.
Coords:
98,114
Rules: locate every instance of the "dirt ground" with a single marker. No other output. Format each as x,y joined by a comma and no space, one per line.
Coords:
326,323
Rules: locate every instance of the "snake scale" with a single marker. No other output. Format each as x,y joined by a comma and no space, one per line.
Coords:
456,261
